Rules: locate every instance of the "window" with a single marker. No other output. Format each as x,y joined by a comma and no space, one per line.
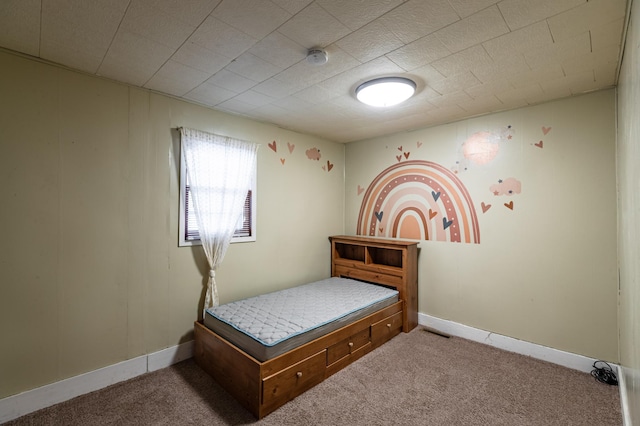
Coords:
188,231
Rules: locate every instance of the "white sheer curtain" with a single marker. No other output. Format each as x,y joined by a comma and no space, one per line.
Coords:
220,171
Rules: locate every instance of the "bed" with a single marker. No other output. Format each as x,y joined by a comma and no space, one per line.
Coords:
265,359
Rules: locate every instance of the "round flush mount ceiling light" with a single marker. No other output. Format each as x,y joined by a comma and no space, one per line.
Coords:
385,91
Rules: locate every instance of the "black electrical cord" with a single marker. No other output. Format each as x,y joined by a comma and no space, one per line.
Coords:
604,373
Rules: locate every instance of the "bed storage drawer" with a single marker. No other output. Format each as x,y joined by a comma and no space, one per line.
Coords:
348,346
292,381
384,330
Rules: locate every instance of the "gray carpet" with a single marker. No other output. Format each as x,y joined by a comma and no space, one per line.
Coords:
418,378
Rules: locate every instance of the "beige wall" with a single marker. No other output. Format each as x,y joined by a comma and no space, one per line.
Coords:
629,214
90,269
545,271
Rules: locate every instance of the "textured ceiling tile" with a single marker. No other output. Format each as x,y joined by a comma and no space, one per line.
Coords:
191,14
369,42
607,36
176,79
549,71
200,58
219,37
418,18
502,69
526,94
473,30
428,74
231,81
78,28
454,83
279,50
589,61
270,113
252,67
563,86
469,59
559,51
446,114
482,105
254,98
453,98
528,38
313,27
136,76
606,74
582,18
420,52
489,88
235,106
156,25
292,6
73,56
357,13
316,94
278,88
133,56
294,103
465,8
20,25
255,17
307,74
582,83
209,94
520,13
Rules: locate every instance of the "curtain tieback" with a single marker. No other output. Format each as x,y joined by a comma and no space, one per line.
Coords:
212,273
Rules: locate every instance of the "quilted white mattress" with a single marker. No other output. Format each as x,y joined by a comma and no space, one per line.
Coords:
268,325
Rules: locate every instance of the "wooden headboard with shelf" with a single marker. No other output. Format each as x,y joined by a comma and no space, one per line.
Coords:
392,263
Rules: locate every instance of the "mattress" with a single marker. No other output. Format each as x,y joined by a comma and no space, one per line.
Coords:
269,325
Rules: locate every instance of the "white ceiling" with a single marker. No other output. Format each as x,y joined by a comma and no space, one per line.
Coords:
247,57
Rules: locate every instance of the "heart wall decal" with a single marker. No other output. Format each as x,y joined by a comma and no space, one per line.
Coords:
446,223
360,189
485,207
379,215
291,147
273,146
509,205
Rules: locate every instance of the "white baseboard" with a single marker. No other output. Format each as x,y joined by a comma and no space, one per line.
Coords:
626,379
566,359
29,401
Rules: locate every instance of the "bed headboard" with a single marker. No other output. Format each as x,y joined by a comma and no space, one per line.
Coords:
393,263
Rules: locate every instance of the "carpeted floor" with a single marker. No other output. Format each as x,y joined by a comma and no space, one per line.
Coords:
418,378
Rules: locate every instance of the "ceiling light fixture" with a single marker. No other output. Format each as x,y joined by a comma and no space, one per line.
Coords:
385,91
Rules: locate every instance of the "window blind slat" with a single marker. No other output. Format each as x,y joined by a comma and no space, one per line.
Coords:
191,232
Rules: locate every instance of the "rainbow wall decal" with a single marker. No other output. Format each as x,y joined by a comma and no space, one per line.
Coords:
419,200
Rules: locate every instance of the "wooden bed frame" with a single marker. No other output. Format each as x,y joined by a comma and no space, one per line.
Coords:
262,387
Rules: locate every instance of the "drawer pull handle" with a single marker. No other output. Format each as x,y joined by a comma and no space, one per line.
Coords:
299,374
350,344
389,325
